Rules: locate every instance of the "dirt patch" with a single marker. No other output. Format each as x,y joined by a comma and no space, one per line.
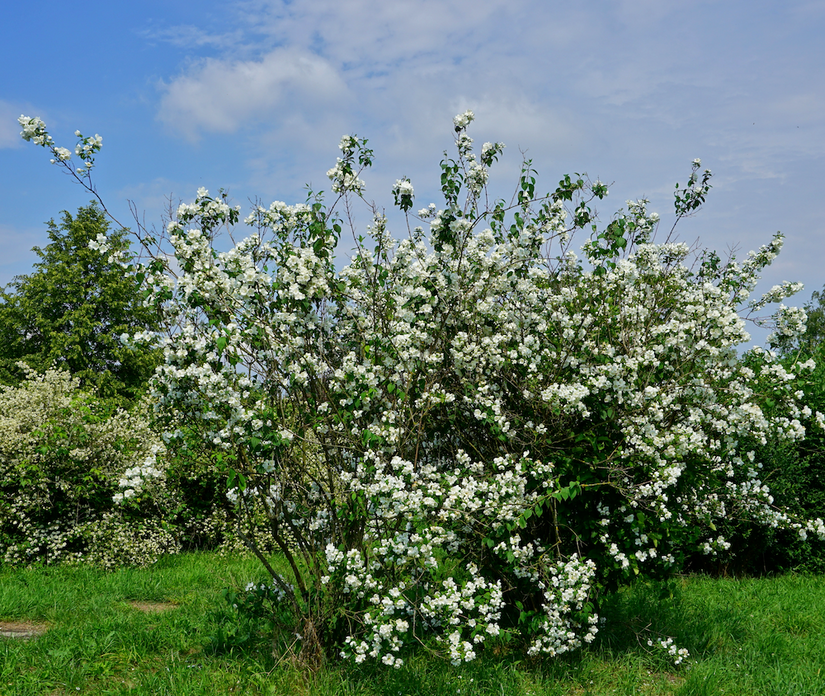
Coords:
21,629
152,607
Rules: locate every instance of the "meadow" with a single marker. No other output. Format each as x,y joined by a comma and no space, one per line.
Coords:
167,629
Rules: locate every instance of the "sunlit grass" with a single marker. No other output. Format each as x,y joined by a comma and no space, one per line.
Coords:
154,631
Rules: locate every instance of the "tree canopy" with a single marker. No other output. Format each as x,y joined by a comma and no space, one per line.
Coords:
70,311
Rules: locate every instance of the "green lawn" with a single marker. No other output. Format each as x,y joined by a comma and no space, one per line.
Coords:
167,630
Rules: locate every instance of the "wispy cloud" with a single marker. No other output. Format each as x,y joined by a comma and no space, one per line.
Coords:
190,36
219,96
401,68
373,35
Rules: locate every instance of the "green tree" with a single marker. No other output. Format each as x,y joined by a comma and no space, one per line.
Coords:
815,326
72,309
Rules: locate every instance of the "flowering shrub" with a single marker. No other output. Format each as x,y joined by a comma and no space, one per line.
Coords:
81,481
64,459
469,432
795,472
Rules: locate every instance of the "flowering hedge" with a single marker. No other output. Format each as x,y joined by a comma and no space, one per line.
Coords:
65,457
795,473
469,433
82,481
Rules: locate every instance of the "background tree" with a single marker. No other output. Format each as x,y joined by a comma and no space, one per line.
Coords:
71,310
815,325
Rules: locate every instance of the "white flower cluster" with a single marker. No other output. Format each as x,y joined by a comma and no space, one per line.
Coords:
403,187
477,176
344,180
135,478
86,149
776,294
789,322
34,130
303,275
463,120
100,243
462,615
568,589
273,589
63,155
403,193
89,146
490,152
56,451
677,654
343,176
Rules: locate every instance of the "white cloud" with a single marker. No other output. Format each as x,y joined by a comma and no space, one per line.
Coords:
373,34
630,90
219,96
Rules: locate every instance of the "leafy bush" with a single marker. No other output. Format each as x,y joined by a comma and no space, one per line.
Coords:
205,515
83,481
64,457
795,473
471,433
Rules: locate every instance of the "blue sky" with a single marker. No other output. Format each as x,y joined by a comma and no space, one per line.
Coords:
254,96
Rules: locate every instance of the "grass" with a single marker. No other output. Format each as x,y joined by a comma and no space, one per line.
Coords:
153,631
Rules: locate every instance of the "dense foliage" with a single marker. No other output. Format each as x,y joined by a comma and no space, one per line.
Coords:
70,312
64,457
795,473
811,341
470,433
82,481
